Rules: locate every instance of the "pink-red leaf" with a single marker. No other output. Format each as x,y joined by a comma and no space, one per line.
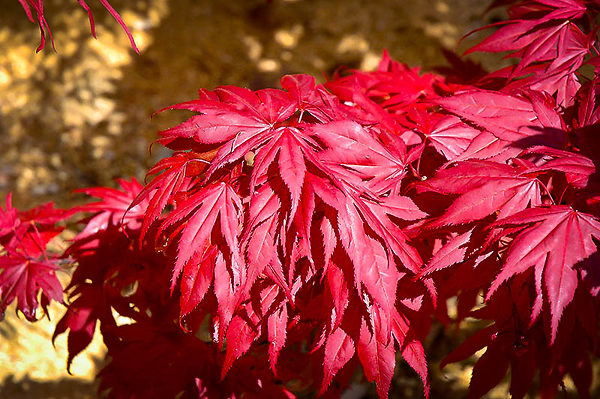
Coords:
451,253
23,279
506,116
201,211
377,356
339,349
277,332
558,239
198,275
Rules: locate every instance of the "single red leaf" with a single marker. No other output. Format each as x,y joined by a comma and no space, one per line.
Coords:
377,355
339,349
119,20
226,298
558,238
214,127
491,367
240,336
340,293
329,240
505,196
485,188
356,155
452,252
201,211
509,37
489,147
523,367
116,207
162,189
80,319
292,166
507,117
198,276
446,133
277,323
576,167
471,345
23,279
465,176
411,349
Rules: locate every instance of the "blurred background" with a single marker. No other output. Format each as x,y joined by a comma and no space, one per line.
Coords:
80,116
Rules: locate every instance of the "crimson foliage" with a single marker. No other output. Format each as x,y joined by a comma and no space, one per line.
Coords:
318,228
35,12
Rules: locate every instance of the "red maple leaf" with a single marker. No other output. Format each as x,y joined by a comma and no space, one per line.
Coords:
508,117
26,267
557,239
23,279
218,202
485,188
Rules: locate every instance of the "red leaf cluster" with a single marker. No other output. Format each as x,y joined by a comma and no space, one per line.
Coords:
35,12
296,234
27,268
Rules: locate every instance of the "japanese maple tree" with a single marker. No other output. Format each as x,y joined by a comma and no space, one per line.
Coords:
297,234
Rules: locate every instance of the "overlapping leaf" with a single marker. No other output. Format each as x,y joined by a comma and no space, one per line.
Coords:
557,240
485,188
27,268
507,117
218,202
